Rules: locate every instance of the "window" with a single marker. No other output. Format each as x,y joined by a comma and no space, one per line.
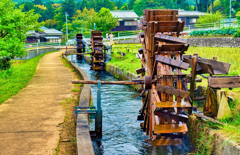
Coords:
179,19
192,20
130,23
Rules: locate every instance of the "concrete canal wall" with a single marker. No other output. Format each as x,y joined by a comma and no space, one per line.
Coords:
213,140
119,73
84,142
31,53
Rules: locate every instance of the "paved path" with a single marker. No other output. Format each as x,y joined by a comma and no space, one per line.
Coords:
29,120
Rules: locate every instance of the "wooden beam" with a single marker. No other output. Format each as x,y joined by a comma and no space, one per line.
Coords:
169,39
105,82
224,82
172,91
172,62
173,47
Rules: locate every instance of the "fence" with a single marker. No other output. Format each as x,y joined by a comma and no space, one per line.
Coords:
212,26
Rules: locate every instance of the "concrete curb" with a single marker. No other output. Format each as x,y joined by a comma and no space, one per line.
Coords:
84,142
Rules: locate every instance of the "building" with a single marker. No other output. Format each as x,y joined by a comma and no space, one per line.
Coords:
190,17
127,20
48,35
52,35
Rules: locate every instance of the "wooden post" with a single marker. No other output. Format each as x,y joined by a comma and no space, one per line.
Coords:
192,83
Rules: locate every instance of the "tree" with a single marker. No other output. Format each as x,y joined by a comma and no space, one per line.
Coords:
131,4
104,20
83,20
118,4
69,6
36,2
209,18
140,5
14,25
124,7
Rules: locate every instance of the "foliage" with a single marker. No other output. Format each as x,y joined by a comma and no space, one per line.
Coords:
222,31
82,21
209,18
129,62
14,25
224,54
104,20
69,7
17,77
237,34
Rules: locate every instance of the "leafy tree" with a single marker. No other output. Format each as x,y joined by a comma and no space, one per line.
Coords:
131,4
83,20
60,18
104,20
118,4
124,7
28,6
36,2
14,25
69,6
209,18
140,5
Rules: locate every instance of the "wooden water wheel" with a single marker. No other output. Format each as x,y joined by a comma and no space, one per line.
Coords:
98,51
167,94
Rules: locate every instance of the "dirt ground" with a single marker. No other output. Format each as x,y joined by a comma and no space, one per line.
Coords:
30,121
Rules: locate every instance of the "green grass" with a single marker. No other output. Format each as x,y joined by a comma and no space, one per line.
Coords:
17,77
224,54
129,62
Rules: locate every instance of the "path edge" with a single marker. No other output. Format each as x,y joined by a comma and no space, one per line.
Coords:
83,137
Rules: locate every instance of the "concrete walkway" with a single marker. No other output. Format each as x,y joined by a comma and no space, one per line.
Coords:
29,120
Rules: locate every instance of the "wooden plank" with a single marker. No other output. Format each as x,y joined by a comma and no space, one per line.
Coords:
172,104
170,128
172,62
172,91
167,141
140,70
169,39
224,82
217,66
174,47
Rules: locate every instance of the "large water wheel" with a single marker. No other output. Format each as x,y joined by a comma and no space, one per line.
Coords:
166,95
98,51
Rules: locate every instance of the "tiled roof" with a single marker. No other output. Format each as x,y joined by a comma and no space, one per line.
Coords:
189,13
124,14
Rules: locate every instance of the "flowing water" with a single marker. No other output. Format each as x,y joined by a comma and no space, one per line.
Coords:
121,131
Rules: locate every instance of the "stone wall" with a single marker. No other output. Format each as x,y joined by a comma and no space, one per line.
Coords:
34,52
220,144
129,41
201,42
214,42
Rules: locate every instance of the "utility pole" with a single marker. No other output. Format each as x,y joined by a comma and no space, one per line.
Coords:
230,9
196,5
66,14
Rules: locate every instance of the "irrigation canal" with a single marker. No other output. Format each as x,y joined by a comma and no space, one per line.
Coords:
121,130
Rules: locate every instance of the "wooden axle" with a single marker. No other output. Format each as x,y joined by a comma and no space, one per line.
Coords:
105,82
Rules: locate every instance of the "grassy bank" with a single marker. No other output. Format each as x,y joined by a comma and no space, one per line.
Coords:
67,142
129,62
17,77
